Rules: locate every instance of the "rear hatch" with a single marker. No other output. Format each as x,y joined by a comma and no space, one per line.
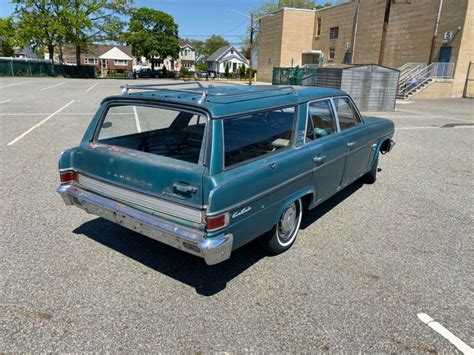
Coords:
149,157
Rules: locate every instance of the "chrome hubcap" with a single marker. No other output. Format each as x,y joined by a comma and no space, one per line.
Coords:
287,223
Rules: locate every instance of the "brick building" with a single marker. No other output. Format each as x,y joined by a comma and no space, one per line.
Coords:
106,58
386,32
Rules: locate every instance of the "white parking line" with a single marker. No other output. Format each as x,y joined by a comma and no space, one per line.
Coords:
39,123
52,86
6,86
433,116
434,127
137,121
428,127
458,343
2,102
93,86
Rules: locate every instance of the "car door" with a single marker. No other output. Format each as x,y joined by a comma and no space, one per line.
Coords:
327,148
357,148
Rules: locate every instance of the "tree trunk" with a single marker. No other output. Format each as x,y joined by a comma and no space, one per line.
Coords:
61,56
51,53
152,63
78,55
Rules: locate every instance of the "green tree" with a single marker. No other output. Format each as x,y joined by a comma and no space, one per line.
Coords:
40,23
90,21
212,44
8,36
226,70
153,34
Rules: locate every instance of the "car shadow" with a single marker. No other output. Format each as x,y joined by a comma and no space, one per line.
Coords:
186,268
313,215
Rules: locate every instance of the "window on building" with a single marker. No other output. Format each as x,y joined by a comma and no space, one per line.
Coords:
318,28
251,136
120,62
332,53
90,61
334,32
321,121
346,113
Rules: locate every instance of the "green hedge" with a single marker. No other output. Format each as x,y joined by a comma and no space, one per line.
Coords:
22,67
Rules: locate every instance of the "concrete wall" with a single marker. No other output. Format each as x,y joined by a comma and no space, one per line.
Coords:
269,45
411,26
465,55
436,90
341,16
297,36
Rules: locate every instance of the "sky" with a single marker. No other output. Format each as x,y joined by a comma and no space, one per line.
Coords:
197,19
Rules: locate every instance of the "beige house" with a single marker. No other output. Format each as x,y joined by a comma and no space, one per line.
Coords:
386,32
186,59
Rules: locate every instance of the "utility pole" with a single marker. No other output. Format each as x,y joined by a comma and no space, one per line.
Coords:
435,32
384,31
252,31
354,31
251,49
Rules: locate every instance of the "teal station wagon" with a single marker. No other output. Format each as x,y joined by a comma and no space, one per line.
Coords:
209,169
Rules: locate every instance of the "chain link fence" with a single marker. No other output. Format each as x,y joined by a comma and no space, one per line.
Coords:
294,76
37,67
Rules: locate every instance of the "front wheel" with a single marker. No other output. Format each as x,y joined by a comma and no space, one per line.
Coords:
283,234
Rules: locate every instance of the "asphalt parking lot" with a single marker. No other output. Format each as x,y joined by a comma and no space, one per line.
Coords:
365,265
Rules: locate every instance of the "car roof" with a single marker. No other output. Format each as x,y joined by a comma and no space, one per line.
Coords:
231,100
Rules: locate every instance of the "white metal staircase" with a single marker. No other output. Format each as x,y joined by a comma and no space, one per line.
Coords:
415,77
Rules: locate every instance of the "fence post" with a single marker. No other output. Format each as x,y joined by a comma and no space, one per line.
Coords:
29,66
11,66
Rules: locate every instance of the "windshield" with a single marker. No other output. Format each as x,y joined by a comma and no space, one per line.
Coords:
156,130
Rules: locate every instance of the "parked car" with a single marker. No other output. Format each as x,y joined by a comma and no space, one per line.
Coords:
207,170
147,73
202,74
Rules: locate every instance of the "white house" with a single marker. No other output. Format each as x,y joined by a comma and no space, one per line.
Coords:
227,55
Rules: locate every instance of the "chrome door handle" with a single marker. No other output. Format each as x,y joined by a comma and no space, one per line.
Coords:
351,144
184,188
319,158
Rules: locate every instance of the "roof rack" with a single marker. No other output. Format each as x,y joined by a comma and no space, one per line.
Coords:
203,92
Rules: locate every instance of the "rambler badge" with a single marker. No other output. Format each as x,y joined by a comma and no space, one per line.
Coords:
241,212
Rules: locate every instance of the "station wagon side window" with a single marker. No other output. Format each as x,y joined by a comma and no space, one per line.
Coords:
348,116
172,133
251,136
321,120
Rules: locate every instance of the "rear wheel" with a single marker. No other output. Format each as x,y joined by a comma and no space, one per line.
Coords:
371,176
283,234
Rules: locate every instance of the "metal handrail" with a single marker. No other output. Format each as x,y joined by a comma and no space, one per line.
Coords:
416,67
427,73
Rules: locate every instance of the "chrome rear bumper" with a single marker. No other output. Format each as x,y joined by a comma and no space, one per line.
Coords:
213,250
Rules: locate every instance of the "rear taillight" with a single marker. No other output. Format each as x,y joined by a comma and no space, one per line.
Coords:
217,222
67,176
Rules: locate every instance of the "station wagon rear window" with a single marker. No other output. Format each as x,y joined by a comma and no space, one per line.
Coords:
251,136
172,133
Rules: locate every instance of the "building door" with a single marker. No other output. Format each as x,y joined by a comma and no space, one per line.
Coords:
445,54
103,64
347,58
234,67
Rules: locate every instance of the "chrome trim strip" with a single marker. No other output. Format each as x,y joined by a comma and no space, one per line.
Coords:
274,188
213,250
259,195
156,195
140,199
